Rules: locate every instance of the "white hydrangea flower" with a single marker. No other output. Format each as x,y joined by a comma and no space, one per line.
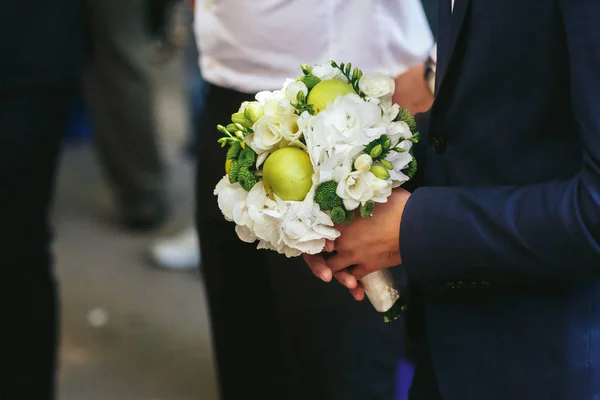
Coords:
290,228
231,199
228,197
345,123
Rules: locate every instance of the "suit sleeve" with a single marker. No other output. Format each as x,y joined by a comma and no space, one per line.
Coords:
542,231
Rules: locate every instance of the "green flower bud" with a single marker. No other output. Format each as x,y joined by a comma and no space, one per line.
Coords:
240,134
239,118
300,97
380,172
386,164
223,130
253,111
376,152
399,149
306,69
415,137
366,211
387,144
231,128
240,127
359,75
338,215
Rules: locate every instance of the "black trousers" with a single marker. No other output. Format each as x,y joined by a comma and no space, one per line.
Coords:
424,384
316,342
32,121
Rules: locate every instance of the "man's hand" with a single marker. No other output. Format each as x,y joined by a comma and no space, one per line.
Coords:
365,246
412,91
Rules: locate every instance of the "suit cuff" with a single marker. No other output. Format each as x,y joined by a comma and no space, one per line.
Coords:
427,234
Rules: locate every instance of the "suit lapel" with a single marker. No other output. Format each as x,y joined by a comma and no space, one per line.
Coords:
448,38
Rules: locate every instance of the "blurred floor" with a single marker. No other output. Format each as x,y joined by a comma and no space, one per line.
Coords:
152,338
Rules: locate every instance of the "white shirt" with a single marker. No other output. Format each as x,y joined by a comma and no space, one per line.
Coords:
253,45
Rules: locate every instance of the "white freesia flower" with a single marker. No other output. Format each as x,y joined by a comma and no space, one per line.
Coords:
377,87
382,189
360,186
386,101
284,109
266,136
265,96
363,162
289,128
326,71
252,110
292,88
275,103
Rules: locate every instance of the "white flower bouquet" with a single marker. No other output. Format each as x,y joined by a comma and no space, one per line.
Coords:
325,148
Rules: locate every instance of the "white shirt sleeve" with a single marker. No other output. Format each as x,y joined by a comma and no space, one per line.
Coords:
411,39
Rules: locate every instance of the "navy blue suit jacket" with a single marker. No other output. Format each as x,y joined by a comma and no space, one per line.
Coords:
504,237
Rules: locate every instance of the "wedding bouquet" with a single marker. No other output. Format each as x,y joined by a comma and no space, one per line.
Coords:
323,150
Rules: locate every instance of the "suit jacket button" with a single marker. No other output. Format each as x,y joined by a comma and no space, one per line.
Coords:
438,143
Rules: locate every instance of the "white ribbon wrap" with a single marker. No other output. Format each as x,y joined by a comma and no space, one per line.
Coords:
379,288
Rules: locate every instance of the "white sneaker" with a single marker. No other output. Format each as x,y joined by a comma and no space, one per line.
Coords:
181,252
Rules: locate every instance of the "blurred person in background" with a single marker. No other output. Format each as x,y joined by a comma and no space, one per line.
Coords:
120,95
42,47
181,251
326,347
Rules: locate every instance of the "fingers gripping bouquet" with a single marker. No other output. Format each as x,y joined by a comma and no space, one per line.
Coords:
323,150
